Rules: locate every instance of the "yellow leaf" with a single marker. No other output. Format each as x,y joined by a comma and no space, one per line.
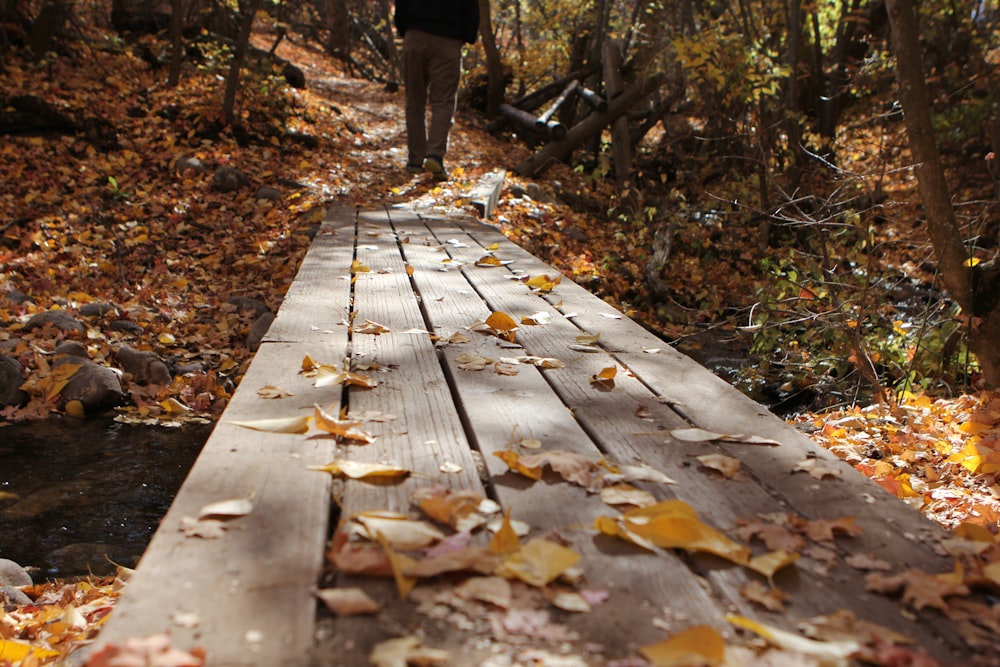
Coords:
769,563
539,562
342,428
544,283
166,338
14,651
700,645
75,409
308,363
972,261
277,425
501,322
173,406
399,562
505,541
493,247
488,260
358,267
360,469
673,524
513,461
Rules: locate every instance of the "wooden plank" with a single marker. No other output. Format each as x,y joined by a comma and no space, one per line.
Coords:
486,195
316,304
609,418
246,597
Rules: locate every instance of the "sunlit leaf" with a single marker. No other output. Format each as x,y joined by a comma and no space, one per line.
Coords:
347,429
226,509
399,531
505,540
832,653
348,601
277,425
361,470
700,645
539,562
404,652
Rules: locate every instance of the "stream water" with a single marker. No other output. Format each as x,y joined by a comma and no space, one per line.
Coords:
77,494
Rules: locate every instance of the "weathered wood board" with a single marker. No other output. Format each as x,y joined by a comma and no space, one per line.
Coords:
383,293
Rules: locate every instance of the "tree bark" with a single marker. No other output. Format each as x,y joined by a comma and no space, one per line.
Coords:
239,55
494,66
176,42
975,289
621,147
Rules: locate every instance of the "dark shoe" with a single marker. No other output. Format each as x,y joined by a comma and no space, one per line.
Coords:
414,168
435,166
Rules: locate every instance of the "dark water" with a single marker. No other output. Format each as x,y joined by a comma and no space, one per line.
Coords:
75,493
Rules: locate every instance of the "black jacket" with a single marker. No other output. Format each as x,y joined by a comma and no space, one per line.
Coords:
449,18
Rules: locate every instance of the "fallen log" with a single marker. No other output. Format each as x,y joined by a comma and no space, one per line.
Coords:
593,99
554,129
592,124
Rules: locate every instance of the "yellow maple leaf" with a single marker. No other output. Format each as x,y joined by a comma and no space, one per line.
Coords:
700,645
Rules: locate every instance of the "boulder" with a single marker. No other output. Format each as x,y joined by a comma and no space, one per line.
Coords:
185,163
126,326
258,331
227,179
96,387
58,319
11,379
145,367
248,305
11,598
97,309
12,574
71,348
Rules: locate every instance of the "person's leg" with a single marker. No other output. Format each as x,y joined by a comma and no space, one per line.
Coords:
415,82
444,72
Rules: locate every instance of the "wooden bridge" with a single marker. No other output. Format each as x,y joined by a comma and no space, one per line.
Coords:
406,301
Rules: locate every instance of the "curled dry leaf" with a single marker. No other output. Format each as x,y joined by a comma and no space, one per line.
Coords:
772,599
544,283
701,435
399,531
277,425
626,494
493,590
206,529
361,470
472,361
727,466
405,652
271,391
372,328
816,468
226,509
347,429
832,653
348,601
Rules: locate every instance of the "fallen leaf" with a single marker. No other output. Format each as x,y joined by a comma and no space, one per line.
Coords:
727,466
456,509
700,645
768,564
270,391
372,328
539,562
505,539
404,652
701,435
226,509
772,599
398,530
832,653
348,601
605,378
493,590
361,470
207,529
817,469
472,361
544,283
277,425
347,429
626,494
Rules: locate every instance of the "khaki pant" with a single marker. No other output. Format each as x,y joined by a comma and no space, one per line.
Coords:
432,67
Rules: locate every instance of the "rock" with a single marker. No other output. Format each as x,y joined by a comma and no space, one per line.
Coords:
126,326
97,309
245,304
227,179
58,319
12,574
259,330
96,387
186,163
46,501
295,77
85,558
11,379
268,194
18,297
72,348
11,598
144,367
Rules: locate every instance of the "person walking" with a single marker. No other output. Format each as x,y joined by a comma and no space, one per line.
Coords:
433,33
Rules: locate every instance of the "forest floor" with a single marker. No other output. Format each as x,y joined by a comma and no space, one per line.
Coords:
82,224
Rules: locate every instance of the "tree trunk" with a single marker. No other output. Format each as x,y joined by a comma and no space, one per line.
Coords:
176,41
494,66
337,20
974,289
239,55
621,147
49,23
